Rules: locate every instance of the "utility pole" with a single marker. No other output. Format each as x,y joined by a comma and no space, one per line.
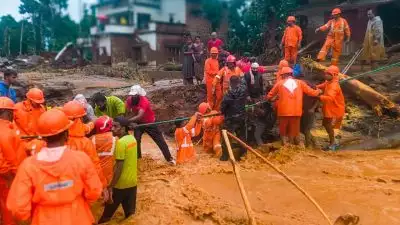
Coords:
22,37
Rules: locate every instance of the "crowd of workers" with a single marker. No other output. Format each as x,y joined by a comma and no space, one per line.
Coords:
55,162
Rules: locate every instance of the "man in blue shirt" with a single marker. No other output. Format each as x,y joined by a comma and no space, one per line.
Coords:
10,76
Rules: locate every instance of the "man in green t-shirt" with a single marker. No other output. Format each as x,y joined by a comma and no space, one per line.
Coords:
123,186
111,106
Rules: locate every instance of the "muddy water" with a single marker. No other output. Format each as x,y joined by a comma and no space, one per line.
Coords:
366,184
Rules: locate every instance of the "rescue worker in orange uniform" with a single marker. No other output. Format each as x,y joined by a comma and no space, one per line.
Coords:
28,112
104,142
283,63
290,105
9,157
77,139
333,106
338,29
211,129
291,40
56,185
211,68
221,81
183,139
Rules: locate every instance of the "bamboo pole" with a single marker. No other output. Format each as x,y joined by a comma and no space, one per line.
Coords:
285,176
236,171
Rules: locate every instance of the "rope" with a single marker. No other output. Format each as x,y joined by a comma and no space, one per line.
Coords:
188,118
370,72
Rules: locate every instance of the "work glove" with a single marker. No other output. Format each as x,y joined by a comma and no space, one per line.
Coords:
375,42
348,40
317,30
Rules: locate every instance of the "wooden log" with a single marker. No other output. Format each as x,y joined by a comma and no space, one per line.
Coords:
239,181
388,142
376,100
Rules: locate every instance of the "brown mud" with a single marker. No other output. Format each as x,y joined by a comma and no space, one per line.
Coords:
366,184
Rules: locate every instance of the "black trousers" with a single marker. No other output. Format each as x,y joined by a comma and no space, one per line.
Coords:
235,126
125,197
157,137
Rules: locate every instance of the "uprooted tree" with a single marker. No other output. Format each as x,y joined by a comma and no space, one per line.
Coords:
256,27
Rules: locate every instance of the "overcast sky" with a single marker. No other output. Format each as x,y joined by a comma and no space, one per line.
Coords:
12,8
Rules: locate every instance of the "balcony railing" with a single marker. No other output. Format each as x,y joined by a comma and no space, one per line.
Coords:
150,3
112,29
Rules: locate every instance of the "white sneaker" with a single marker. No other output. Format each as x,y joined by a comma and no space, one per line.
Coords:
172,163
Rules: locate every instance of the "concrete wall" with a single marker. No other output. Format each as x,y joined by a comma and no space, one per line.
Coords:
105,41
121,48
151,39
175,7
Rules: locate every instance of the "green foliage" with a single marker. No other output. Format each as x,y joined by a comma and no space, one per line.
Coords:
213,12
253,23
46,27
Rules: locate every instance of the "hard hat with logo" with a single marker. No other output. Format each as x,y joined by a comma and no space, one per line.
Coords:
214,50
291,19
332,70
286,70
103,124
231,59
35,95
255,65
203,107
53,122
283,63
336,11
6,103
73,109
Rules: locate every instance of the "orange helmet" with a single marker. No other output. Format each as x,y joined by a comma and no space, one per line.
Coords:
283,63
231,59
336,11
6,103
53,122
214,50
286,70
35,95
73,109
291,18
332,70
203,107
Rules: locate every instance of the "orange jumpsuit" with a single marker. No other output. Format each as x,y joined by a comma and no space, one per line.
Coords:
55,192
105,146
26,117
291,40
183,139
333,101
10,158
338,29
212,134
221,83
79,142
290,104
211,68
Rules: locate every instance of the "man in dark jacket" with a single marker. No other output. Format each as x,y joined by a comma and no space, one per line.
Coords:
233,107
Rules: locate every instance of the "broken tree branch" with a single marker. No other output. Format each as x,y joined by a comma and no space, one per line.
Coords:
376,100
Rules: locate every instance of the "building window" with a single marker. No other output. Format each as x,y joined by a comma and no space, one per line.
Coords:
143,20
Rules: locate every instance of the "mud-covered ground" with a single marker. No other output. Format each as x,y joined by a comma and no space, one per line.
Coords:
366,184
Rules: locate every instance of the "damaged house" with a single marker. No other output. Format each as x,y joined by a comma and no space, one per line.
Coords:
146,31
